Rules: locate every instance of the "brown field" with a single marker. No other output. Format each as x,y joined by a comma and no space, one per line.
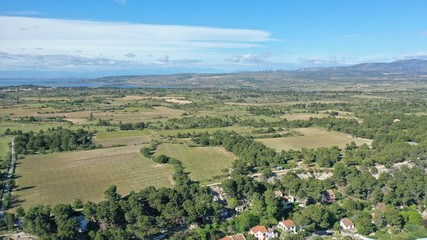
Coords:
313,138
153,115
63,177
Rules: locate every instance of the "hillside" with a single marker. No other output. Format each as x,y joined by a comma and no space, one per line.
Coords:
404,72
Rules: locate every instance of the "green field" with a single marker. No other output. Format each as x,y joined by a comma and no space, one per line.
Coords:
303,116
63,177
313,138
203,163
122,134
4,147
239,129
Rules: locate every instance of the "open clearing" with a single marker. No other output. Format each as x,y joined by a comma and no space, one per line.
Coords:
313,138
109,142
4,147
303,116
63,177
203,163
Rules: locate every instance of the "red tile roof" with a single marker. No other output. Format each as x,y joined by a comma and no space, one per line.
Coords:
347,222
259,229
234,237
288,223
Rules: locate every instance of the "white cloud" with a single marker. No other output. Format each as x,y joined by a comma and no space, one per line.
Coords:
412,55
57,62
163,59
124,41
251,58
130,55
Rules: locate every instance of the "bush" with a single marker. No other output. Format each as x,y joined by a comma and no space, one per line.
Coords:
161,159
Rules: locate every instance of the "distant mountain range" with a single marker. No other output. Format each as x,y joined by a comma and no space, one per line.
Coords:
411,66
413,70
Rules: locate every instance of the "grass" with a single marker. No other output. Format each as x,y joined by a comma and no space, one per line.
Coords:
4,147
303,116
109,142
313,138
239,129
26,127
63,177
203,163
122,134
160,113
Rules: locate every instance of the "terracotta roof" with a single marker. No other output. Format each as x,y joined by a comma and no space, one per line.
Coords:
234,237
347,222
288,223
259,229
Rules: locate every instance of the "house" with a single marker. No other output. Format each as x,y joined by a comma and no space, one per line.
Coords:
234,237
328,196
259,232
289,200
240,208
278,193
271,234
346,224
83,222
287,226
194,225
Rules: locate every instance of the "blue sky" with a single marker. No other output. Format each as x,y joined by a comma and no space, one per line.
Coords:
95,38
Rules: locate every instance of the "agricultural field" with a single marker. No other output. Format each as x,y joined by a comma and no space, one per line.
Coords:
313,138
203,163
4,147
239,129
63,177
122,134
303,116
109,142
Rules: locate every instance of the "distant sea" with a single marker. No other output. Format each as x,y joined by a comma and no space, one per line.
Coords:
4,82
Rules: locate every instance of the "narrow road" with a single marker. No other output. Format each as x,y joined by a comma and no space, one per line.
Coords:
9,175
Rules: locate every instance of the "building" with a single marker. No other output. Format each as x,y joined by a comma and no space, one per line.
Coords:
287,226
240,208
259,232
83,222
346,224
328,196
234,237
278,193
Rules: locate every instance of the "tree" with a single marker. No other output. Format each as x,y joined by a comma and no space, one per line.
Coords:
20,212
364,223
313,217
10,220
272,204
38,221
78,203
245,221
161,159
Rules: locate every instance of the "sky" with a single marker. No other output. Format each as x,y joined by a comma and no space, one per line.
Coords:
80,38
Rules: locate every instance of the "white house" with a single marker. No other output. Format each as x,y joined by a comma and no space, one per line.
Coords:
346,224
287,226
240,208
